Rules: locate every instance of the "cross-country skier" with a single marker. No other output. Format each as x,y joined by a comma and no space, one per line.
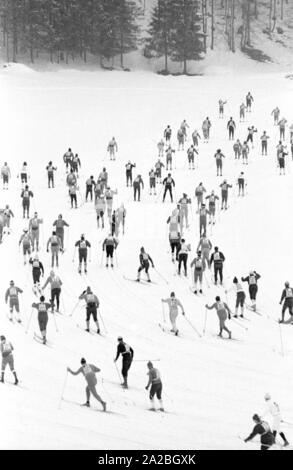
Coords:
2,221
180,139
112,148
161,146
190,156
206,126
24,174
144,260
218,259
83,246
245,152
137,186
174,235
287,297
6,349
241,183
199,195
184,126
276,114
224,194
221,108
12,294
264,143
168,133
173,304
100,206
67,157
114,224
89,372
252,279
109,195
92,305
251,132
231,126
195,136
26,195
42,307
90,184
7,218
121,216
237,147
197,262
55,244
242,109
282,126
60,224
56,284
129,167
27,244
183,256
203,212
5,175
110,244
127,354
73,197
249,100
156,386
158,166
281,161
34,228
50,173
37,271
152,176
71,179
240,296
266,436
205,246
75,164
273,409
223,311
219,161
183,210
169,151
168,182
103,178
99,189
212,199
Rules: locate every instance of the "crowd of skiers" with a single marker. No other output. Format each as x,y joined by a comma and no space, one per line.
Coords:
99,192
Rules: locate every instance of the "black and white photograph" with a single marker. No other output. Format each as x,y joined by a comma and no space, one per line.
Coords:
146,195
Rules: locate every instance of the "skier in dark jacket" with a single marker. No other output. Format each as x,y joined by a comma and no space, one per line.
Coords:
218,259
127,354
144,259
266,436
168,182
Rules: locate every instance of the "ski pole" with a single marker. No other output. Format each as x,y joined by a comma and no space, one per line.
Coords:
281,339
162,277
192,326
287,422
119,375
63,389
205,322
102,258
57,331
29,322
106,331
74,308
163,311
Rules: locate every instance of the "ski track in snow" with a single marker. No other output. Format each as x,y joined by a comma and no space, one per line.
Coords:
211,388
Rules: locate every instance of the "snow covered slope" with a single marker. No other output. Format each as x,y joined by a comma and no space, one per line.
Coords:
211,386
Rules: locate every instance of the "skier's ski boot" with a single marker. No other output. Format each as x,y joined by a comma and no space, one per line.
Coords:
16,381
112,265
200,291
44,341
195,292
286,443
87,403
161,409
104,404
85,271
230,335
107,265
98,331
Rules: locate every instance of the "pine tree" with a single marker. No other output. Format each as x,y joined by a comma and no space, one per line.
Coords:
125,13
186,38
159,31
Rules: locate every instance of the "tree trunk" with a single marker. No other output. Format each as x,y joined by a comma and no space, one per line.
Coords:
185,66
233,26
212,24
204,24
255,9
248,24
121,48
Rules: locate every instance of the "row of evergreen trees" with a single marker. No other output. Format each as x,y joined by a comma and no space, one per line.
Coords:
67,29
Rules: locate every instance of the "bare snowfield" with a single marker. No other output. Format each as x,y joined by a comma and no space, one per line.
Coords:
211,387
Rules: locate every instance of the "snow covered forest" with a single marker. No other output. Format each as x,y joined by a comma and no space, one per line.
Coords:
178,31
